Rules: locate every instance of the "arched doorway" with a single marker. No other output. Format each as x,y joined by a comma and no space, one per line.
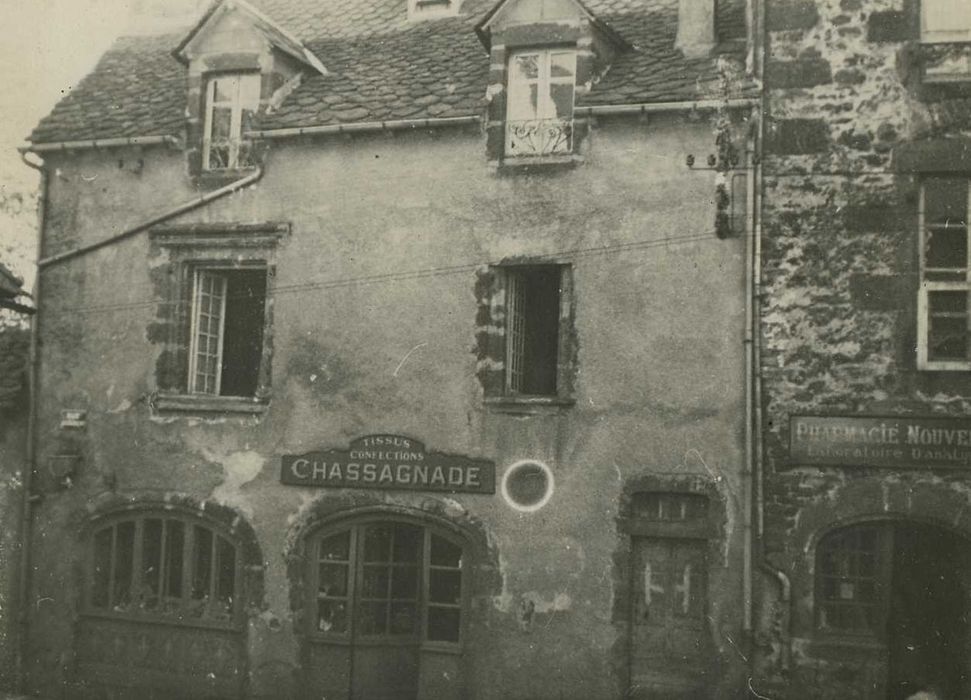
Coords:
386,608
165,592
902,589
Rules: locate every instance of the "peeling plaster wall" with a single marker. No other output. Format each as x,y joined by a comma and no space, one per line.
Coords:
658,389
838,315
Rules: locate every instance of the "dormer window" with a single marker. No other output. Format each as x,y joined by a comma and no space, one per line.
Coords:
539,112
231,101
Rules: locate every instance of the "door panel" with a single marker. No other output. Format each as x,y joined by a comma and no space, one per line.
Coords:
386,672
670,651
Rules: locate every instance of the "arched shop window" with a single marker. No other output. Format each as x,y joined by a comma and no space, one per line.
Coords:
852,579
167,566
384,580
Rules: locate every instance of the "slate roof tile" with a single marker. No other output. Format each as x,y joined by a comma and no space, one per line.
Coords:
381,66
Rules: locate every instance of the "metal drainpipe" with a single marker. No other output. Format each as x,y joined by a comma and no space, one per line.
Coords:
176,211
785,585
747,466
26,497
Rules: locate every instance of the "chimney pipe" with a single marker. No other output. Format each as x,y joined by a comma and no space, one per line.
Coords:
696,27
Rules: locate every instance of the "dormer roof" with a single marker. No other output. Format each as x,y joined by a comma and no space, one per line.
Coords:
382,66
484,27
275,34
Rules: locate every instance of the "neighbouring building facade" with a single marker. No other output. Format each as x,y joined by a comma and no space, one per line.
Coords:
393,349
864,350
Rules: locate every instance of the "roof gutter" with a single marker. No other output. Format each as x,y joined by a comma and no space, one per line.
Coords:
395,124
594,110
357,127
155,220
683,106
100,143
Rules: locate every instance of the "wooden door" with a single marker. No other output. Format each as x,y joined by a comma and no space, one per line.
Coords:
670,651
386,630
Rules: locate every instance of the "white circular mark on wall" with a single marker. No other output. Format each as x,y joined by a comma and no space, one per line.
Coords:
527,485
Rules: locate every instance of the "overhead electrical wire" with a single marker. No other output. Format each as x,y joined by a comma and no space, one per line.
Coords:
404,275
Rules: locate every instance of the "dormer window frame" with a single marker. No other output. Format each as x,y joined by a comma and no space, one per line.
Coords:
536,124
237,149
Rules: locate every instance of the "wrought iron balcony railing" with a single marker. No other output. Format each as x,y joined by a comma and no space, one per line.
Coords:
539,137
229,154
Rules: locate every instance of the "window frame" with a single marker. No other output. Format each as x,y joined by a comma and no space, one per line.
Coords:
563,362
544,82
929,36
199,271
883,562
355,566
236,618
236,107
926,287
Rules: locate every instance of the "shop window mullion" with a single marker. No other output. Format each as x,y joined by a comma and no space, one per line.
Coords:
188,548
136,569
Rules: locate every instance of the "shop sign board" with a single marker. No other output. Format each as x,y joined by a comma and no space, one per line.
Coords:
389,462
905,442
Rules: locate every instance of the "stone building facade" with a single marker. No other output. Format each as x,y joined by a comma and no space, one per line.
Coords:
392,350
864,350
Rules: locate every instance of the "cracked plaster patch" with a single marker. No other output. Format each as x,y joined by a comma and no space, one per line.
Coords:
239,468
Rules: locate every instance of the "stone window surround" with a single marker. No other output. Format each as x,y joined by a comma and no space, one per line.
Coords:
538,37
492,344
189,247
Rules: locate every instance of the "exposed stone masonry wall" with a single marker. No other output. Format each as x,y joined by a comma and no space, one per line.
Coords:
844,93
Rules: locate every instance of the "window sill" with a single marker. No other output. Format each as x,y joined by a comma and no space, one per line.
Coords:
223,177
833,645
203,403
164,620
944,367
524,163
527,403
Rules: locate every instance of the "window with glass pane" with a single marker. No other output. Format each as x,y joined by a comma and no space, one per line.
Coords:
850,597
163,566
943,304
946,20
231,101
388,580
226,353
539,112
